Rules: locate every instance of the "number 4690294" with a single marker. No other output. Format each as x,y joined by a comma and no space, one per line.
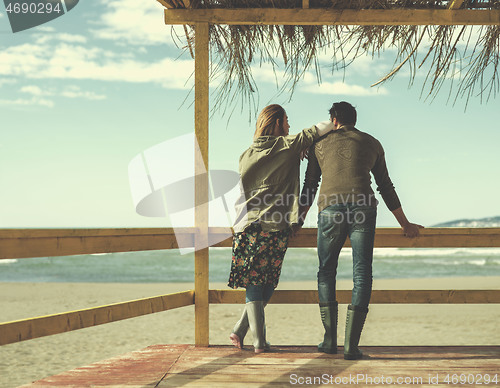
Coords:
33,8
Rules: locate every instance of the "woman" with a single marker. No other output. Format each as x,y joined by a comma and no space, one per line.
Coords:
266,212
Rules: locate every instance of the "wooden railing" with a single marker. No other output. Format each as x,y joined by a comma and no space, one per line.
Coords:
24,243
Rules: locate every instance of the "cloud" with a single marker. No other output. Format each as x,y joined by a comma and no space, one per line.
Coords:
40,96
266,73
76,92
63,37
125,22
46,29
342,88
78,62
71,91
34,90
35,100
6,81
309,83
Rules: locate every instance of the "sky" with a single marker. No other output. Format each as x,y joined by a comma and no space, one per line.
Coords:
83,95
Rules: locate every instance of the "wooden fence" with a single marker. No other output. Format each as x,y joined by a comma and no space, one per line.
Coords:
24,243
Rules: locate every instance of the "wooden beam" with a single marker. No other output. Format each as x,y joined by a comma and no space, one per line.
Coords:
329,16
201,243
378,296
456,4
166,3
26,329
23,243
394,238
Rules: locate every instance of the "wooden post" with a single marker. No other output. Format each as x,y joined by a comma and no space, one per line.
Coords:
201,185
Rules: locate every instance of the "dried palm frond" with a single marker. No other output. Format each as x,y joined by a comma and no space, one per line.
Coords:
466,56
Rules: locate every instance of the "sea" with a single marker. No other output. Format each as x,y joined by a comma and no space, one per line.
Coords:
300,264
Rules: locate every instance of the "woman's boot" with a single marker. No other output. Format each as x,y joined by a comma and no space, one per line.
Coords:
240,330
329,317
256,321
353,327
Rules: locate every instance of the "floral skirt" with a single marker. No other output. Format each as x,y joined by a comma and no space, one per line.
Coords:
257,257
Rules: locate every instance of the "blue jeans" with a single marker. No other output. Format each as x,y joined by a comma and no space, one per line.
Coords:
335,223
259,292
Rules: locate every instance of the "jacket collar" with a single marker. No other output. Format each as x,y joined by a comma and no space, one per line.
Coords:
347,127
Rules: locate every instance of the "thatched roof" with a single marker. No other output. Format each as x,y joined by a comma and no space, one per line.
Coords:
466,56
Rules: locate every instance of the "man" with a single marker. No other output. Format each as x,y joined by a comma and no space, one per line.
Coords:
347,207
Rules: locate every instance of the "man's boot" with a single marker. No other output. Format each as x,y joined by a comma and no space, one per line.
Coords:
329,317
353,327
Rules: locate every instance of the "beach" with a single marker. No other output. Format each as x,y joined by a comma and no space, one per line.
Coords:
31,360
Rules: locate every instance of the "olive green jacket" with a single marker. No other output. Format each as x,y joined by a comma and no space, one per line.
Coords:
345,158
269,181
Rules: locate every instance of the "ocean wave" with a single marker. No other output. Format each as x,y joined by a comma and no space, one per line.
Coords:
402,252
433,252
8,261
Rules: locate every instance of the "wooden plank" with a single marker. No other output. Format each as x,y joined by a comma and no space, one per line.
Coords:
378,296
141,368
91,232
166,3
23,243
329,16
26,329
201,184
394,238
456,4
20,243
225,366
43,247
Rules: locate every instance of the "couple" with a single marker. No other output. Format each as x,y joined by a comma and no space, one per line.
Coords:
270,211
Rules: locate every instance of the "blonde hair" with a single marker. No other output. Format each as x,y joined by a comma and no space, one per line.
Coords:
266,122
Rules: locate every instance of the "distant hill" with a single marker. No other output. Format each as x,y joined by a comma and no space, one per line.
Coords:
489,222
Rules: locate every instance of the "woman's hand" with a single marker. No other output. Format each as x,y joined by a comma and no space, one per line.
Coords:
324,127
295,229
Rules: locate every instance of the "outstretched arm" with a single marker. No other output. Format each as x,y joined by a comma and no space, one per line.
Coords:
311,182
409,229
386,189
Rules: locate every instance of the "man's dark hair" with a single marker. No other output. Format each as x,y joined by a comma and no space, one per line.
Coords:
344,112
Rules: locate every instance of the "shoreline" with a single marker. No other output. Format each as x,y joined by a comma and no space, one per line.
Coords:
26,361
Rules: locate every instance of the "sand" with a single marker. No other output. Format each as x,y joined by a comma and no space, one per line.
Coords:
28,361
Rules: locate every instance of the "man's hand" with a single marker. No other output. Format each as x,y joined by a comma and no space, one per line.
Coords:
411,230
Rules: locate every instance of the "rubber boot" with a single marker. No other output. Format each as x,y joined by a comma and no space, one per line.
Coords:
240,330
256,321
353,327
329,317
